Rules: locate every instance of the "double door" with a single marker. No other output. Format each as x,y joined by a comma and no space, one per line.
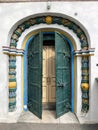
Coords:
48,79
49,83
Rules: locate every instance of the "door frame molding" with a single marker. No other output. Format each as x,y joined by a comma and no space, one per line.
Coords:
47,19
72,44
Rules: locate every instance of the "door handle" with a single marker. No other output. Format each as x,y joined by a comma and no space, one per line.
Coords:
48,80
61,84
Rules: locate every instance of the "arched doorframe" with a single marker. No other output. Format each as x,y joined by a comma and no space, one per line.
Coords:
72,44
47,19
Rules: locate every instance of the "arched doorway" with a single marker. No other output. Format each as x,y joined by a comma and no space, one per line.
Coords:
49,73
48,21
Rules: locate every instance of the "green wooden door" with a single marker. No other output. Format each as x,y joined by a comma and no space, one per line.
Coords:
63,75
35,75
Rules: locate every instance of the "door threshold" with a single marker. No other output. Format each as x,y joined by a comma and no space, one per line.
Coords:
48,116
49,106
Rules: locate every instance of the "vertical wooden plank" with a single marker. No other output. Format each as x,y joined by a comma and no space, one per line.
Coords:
35,75
63,75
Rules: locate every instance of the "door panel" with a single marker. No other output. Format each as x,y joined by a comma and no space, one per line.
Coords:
51,74
35,75
63,73
48,74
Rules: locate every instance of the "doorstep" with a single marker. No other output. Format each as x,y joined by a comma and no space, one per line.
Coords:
48,116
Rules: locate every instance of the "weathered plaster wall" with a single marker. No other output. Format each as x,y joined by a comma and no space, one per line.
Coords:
84,12
39,0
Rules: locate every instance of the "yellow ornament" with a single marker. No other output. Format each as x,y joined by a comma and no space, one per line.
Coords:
48,19
85,101
12,84
85,86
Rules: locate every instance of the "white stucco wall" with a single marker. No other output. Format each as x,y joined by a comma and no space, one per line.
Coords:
83,12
